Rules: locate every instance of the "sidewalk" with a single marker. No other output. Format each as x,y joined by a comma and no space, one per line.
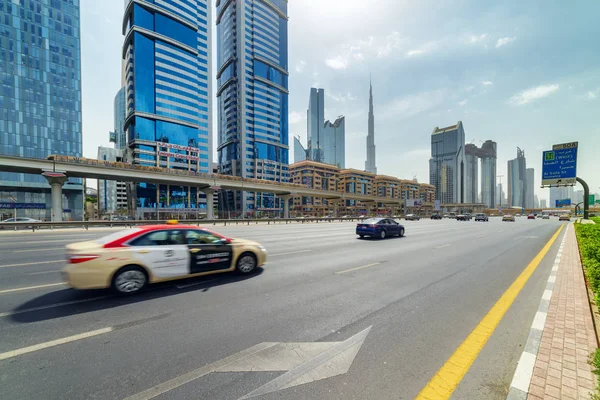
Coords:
560,367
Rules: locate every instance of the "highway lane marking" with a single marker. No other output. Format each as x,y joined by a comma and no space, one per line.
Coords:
43,273
442,246
449,376
291,252
357,268
56,305
45,241
38,250
21,289
53,343
32,263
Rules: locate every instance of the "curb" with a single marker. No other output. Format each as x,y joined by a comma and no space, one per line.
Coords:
519,387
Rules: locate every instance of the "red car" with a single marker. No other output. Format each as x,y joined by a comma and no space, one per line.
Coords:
531,216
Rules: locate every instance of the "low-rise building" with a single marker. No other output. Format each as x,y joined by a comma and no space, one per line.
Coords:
315,176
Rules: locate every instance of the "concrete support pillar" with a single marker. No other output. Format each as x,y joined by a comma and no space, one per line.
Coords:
286,205
210,205
56,180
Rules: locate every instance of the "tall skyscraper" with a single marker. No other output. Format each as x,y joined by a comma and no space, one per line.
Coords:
517,180
119,109
529,189
560,193
252,94
488,154
334,142
447,163
371,164
315,124
299,150
40,100
543,204
167,53
471,174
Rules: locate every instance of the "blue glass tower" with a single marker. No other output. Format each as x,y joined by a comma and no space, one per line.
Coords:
40,99
168,90
252,95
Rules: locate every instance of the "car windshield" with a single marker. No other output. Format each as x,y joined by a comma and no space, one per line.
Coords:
117,235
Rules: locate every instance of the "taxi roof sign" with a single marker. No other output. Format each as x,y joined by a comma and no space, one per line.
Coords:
172,222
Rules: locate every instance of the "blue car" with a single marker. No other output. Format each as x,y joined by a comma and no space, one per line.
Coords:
379,228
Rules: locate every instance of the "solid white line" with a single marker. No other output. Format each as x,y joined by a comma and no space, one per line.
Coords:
31,288
32,263
441,247
291,252
524,371
552,279
539,321
547,294
38,250
43,273
45,241
64,303
357,268
52,343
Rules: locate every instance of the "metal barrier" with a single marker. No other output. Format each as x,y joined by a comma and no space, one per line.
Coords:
130,224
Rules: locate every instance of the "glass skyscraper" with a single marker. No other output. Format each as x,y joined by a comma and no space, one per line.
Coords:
167,53
118,136
447,164
252,95
517,180
40,99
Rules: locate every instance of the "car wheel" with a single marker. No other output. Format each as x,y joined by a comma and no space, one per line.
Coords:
383,234
361,236
246,263
129,280
401,234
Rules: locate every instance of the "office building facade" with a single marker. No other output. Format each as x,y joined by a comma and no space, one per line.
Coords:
315,125
471,174
529,189
517,181
40,100
167,54
252,97
117,136
300,152
560,193
447,163
488,155
112,195
334,142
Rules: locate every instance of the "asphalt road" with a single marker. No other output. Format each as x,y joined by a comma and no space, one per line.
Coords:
371,319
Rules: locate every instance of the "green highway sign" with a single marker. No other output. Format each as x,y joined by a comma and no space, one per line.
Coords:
592,199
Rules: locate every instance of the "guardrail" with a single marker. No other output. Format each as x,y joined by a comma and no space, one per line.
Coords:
130,224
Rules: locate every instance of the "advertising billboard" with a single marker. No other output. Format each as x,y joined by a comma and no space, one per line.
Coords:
563,203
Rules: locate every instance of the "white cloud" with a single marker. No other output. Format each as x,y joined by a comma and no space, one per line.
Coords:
505,40
463,103
593,94
487,83
478,38
341,97
296,117
469,88
536,93
415,52
337,63
409,106
300,66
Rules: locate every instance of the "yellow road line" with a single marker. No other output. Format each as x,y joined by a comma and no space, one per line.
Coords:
445,381
45,345
32,263
31,288
357,268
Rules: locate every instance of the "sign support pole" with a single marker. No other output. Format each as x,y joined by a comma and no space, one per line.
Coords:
586,198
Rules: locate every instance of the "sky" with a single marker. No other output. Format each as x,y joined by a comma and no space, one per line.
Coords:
523,74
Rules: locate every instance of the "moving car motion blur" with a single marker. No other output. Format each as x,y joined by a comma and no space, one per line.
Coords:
380,228
127,261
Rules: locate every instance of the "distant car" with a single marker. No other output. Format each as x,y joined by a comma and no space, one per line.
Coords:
20,220
564,217
436,216
462,217
452,215
508,217
481,217
380,228
412,217
531,216
129,260
446,216
545,216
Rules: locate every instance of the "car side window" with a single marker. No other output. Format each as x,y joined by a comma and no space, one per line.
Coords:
201,237
160,238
